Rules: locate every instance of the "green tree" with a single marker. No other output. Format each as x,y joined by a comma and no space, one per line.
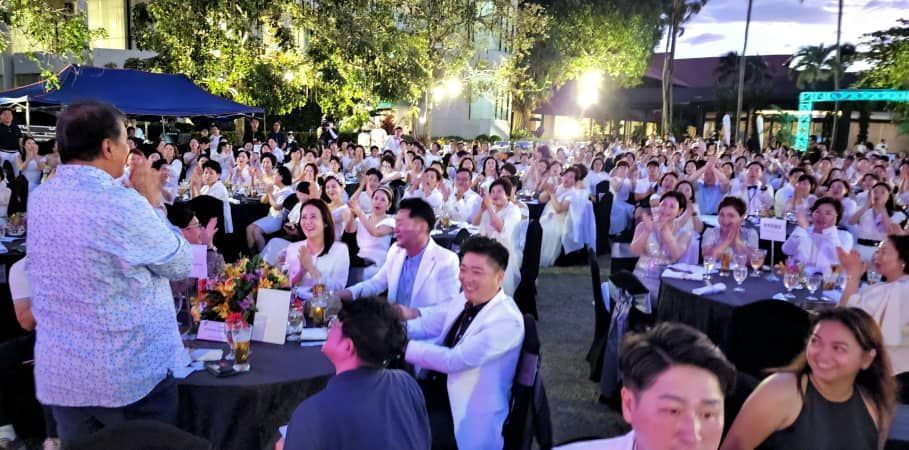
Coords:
811,66
249,51
888,58
676,13
757,86
48,30
615,37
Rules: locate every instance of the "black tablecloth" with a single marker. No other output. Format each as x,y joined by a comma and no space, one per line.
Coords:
535,208
446,238
245,411
712,313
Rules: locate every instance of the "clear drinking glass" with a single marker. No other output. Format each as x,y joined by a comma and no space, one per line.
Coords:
242,334
790,281
757,261
230,341
739,273
709,264
814,282
873,276
294,323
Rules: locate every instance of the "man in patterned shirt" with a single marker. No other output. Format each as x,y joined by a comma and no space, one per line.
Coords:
99,259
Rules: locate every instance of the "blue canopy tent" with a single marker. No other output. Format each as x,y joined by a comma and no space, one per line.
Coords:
133,92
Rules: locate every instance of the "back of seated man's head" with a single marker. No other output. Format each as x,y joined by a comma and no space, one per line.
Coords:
367,333
675,383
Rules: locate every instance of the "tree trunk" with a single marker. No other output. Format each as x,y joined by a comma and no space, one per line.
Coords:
738,108
864,121
666,78
836,73
671,64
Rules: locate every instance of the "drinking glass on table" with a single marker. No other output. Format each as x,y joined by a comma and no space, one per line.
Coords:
873,276
229,336
739,274
757,261
790,281
709,264
814,282
241,336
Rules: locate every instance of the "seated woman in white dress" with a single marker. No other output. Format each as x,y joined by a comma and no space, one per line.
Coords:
691,219
802,196
291,229
209,183
556,219
839,189
667,183
876,219
816,245
885,302
333,195
596,176
490,174
274,196
730,237
266,174
30,164
319,258
242,174
659,240
498,218
368,237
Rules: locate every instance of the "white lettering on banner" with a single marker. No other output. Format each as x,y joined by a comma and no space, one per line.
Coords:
773,229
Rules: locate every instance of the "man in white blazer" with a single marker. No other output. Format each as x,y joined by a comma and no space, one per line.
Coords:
470,351
417,272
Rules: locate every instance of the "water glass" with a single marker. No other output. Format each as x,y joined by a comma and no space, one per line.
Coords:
229,336
757,261
242,334
739,273
294,323
709,264
873,276
814,282
790,281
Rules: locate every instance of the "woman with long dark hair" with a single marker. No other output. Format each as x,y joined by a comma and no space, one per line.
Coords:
838,394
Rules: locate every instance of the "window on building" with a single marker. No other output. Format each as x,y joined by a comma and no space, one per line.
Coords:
111,16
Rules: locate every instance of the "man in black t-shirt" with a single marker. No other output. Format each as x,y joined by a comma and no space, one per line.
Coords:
365,405
10,139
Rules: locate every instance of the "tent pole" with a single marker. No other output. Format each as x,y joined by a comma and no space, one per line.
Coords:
28,116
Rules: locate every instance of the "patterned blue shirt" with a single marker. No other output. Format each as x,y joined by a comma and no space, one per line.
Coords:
408,276
99,260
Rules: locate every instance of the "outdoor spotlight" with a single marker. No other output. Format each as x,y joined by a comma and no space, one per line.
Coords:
439,92
588,88
288,76
453,87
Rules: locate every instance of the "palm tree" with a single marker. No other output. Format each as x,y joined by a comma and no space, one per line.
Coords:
811,66
677,12
756,89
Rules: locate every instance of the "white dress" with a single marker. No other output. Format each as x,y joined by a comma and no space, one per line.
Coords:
871,227
242,176
555,225
338,217
33,174
275,218
374,248
510,216
333,266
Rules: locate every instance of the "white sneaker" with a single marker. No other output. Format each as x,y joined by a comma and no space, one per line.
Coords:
51,444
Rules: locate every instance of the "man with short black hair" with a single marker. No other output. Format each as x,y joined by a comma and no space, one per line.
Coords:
277,135
95,246
10,139
675,384
418,272
469,349
365,405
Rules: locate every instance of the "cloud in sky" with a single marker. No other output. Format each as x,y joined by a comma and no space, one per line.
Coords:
782,26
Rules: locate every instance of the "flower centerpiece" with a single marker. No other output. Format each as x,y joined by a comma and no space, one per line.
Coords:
232,296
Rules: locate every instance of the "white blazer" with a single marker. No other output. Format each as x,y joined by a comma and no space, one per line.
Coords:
436,282
480,367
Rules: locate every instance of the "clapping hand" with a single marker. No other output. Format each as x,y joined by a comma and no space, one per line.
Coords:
802,217
147,182
487,202
306,260
208,233
851,261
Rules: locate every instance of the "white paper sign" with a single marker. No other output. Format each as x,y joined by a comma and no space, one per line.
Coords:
210,330
272,308
200,262
773,229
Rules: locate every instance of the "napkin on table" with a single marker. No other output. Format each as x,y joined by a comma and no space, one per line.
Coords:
709,289
669,273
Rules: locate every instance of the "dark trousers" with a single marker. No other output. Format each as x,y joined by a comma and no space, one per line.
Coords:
441,423
17,392
160,404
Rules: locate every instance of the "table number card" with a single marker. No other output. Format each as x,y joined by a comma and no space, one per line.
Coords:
200,262
272,307
210,330
773,229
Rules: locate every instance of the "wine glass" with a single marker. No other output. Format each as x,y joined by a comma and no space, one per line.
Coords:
709,264
814,282
757,261
739,274
790,281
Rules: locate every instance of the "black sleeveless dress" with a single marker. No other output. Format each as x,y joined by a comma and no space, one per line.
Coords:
826,425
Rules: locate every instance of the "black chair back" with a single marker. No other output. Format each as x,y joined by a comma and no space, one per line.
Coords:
459,239
602,211
525,295
601,320
602,188
140,435
528,411
18,199
290,202
767,334
624,317
205,207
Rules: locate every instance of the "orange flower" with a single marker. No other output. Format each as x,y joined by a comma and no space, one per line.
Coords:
226,288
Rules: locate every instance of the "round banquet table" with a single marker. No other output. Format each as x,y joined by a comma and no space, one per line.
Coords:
446,238
712,313
244,411
535,208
